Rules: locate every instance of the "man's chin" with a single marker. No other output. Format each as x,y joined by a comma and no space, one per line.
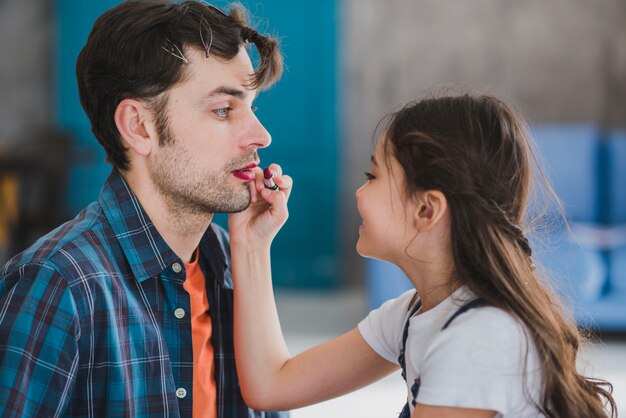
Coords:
237,210
239,205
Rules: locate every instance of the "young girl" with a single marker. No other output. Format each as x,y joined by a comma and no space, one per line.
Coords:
480,335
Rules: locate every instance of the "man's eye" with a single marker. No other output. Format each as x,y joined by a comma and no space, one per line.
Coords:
254,108
222,112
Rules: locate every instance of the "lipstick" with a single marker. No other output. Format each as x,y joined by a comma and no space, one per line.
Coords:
268,179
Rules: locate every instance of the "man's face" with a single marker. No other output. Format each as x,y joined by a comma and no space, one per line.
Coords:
209,136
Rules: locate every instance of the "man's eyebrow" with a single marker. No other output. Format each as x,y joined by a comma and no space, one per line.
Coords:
230,91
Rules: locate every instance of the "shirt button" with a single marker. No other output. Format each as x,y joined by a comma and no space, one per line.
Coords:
177,268
181,393
179,313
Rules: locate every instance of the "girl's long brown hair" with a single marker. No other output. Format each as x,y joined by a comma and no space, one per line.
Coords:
476,151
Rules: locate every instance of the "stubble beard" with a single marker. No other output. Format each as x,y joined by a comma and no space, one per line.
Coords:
187,188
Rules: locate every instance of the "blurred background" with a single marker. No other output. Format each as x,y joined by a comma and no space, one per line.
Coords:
349,62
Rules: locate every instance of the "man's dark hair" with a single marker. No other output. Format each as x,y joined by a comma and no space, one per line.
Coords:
136,50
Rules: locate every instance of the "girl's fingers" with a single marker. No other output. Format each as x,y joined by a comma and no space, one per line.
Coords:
277,201
258,179
253,191
285,184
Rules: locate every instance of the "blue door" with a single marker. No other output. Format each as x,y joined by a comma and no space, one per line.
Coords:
299,112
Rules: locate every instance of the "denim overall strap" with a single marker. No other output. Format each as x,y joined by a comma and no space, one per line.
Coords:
405,335
401,359
475,303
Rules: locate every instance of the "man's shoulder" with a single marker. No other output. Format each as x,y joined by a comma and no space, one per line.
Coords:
67,246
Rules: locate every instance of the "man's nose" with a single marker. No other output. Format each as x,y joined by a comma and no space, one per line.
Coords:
257,136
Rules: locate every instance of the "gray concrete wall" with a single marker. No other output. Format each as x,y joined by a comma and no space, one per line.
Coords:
26,48
558,61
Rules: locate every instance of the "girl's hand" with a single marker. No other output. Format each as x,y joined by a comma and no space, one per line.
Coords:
267,213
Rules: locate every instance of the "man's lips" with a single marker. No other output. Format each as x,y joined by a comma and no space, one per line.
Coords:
245,173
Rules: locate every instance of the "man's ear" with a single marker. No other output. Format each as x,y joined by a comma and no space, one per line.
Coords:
131,118
430,208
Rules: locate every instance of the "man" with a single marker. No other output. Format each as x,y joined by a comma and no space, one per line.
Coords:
127,309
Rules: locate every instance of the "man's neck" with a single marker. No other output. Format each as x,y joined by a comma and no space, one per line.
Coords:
181,231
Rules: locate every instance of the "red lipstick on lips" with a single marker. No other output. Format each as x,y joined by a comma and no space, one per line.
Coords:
245,173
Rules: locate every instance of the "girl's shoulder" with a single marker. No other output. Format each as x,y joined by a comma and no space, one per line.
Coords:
487,320
484,358
480,318
490,331
398,308
382,328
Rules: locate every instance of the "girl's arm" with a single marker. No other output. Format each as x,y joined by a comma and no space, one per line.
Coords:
270,379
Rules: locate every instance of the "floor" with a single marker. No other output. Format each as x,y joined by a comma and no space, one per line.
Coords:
311,318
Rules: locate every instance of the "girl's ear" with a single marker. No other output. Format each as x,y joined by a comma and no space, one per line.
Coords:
430,207
134,121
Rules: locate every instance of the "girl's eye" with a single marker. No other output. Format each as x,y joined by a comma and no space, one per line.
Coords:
369,175
254,108
222,112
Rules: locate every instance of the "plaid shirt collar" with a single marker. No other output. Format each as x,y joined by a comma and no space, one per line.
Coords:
131,225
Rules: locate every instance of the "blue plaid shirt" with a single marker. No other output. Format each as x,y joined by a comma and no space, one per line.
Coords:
88,325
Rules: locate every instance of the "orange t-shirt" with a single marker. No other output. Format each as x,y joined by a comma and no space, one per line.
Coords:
204,389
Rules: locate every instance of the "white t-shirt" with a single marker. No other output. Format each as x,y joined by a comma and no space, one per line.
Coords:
478,361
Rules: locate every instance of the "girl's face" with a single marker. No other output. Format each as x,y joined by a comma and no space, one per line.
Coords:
387,226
